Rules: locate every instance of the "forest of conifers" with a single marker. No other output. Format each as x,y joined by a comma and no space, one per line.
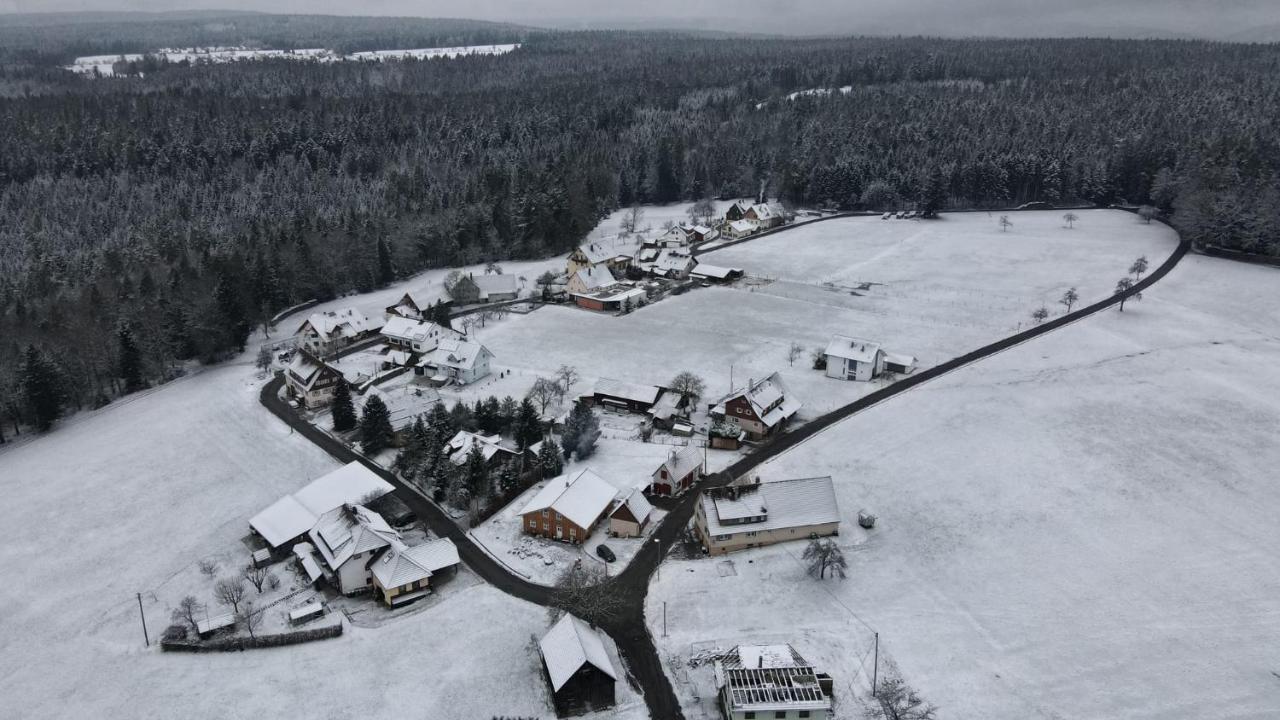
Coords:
150,220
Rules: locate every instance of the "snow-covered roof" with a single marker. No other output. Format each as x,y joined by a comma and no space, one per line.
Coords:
594,277
401,565
769,678
459,446
801,502
637,504
344,323
679,464
744,225
615,293
766,656
764,396
581,497
863,351
403,328
306,367
628,391
495,284
714,271
349,530
906,361
673,261
293,515
306,555
607,249
403,405
569,645
461,354
765,211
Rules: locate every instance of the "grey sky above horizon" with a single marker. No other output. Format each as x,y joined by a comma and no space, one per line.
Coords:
1218,19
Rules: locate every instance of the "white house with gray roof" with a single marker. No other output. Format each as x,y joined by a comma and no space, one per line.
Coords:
755,514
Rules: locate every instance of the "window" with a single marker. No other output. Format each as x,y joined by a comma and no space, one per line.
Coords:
780,714
749,715
803,713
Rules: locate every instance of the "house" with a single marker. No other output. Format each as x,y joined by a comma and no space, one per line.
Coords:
461,362
736,211
674,237
346,538
568,507
771,681
576,660
418,336
699,233
678,472
673,264
402,574
288,519
419,304
759,409
310,381
756,514
899,363
328,331
624,395
496,288
853,359
715,273
610,299
741,228
615,253
496,453
631,516
589,279
669,410
767,215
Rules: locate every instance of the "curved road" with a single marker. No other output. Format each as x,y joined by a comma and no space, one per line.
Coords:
627,625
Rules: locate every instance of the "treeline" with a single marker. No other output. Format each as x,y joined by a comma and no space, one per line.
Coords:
190,205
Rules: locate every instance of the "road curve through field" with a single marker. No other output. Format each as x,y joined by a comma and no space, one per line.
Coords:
627,625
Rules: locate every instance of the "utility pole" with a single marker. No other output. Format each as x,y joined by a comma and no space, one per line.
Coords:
145,637
664,618
875,667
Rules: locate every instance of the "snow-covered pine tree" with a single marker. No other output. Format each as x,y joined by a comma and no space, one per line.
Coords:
41,388
344,412
376,432
130,364
550,461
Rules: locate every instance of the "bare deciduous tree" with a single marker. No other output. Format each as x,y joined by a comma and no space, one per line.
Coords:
895,700
689,386
208,568
583,592
1147,213
1124,286
1070,219
1138,267
229,591
566,377
187,612
256,576
249,618
1005,223
1069,298
631,219
824,555
543,392
1040,314
793,352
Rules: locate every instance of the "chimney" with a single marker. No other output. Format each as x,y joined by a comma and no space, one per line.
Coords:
760,662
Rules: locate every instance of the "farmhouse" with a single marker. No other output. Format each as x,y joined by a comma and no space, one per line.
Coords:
496,453
414,335
623,395
328,331
673,264
852,359
419,304
759,409
577,664
767,215
347,537
610,299
310,381
700,233
589,279
461,362
631,516
614,253
496,288
286,520
402,574
771,681
568,507
741,228
757,514
678,472
736,211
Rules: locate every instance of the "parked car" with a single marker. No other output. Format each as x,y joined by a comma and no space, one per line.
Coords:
1037,205
605,553
902,214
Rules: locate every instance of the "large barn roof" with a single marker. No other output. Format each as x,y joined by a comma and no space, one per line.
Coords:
569,645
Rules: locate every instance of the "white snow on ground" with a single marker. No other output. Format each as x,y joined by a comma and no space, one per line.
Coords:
1081,527
104,64
130,498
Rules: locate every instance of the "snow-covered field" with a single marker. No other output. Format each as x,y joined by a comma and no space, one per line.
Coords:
129,498
104,64
1084,526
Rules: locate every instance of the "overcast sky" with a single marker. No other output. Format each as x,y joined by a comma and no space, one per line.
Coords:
1228,19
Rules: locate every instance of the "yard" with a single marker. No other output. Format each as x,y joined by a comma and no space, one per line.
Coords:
1081,527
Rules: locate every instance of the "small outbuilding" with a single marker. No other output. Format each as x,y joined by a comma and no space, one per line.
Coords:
576,660
631,516
620,395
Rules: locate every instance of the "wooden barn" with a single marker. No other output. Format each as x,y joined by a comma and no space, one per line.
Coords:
577,665
624,396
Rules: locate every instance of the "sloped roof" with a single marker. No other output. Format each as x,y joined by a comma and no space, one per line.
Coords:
461,354
569,645
673,261
581,497
629,391
460,446
744,225
637,504
594,277
761,394
415,330
907,361
784,503
307,366
350,530
863,351
293,515
495,284
401,565
679,464
714,271
607,249
346,322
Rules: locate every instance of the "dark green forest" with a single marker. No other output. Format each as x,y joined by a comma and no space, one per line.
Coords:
149,221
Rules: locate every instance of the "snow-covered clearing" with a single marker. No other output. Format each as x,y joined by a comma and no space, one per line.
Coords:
103,65
130,498
1081,527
